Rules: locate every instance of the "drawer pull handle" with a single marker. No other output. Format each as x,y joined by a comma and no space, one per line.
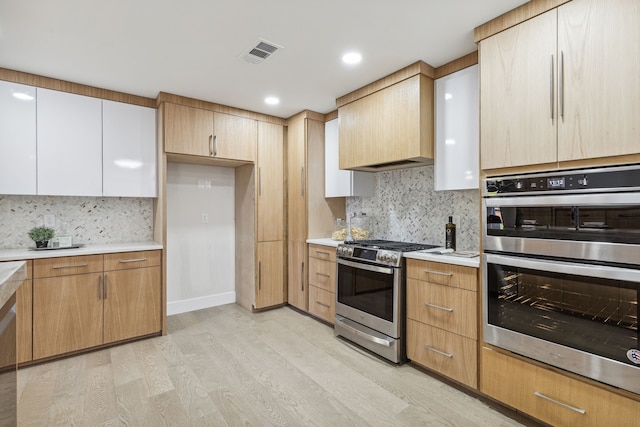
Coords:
322,274
441,273
564,405
69,266
323,304
124,261
438,307
322,252
442,353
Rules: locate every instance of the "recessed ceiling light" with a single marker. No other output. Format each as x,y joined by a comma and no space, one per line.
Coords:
351,58
272,100
23,96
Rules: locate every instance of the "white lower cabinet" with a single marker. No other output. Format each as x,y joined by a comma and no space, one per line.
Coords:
69,129
17,138
129,150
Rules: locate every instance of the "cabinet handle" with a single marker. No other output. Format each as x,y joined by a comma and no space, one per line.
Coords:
551,87
100,288
438,307
323,304
441,273
302,278
55,267
441,353
215,145
564,405
124,261
322,274
259,275
211,145
561,84
302,181
322,252
259,181
106,285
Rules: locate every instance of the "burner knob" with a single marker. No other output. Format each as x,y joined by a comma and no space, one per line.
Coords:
350,251
394,258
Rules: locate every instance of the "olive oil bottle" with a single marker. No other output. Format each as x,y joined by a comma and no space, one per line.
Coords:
450,235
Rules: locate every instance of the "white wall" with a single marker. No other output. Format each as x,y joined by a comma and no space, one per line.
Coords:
200,256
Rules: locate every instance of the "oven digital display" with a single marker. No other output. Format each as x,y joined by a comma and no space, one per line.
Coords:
555,182
362,253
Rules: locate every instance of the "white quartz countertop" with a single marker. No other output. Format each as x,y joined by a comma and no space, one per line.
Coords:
11,276
24,254
427,255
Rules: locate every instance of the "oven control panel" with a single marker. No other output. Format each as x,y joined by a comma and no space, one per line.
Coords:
388,258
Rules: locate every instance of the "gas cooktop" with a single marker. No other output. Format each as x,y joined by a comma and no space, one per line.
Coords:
384,252
391,245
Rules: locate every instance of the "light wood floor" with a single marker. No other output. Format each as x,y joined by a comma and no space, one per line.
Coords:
226,366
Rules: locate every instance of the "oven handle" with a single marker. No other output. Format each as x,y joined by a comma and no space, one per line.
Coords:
572,268
364,335
595,199
363,266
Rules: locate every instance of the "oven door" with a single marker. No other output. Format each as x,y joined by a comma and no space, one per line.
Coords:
370,295
578,317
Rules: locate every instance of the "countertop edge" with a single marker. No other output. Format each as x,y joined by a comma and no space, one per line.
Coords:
26,254
447,259
12,274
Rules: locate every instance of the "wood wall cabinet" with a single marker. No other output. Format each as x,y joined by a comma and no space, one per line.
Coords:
24,317
322,282
390,128
562,87
80,302
199,132
442,313
551,397
17,139
309,213
260,222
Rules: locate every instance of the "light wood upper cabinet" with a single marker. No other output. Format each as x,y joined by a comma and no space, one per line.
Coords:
390,128
517,84
562,87
270,182
599,48
199,132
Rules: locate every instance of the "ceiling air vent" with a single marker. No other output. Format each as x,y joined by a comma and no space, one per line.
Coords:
259,51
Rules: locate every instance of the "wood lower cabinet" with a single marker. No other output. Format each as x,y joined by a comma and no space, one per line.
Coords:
86,301
270,287
442,313
322,282
297,286
24,317
550,396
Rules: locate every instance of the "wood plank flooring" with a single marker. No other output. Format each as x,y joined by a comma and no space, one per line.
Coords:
225,366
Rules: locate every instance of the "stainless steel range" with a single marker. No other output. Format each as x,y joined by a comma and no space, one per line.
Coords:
370,296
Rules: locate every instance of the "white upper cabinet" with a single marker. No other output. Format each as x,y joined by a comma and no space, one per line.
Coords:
338,182
17,139
129,150
457,133
69,144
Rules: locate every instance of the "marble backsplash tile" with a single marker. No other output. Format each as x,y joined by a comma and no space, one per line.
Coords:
90,220
406,207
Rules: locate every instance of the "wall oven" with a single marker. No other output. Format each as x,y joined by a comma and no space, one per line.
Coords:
561,270
370,295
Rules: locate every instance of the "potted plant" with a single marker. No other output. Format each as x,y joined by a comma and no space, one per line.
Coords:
41,236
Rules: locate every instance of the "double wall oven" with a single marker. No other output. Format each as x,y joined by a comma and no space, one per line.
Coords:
561,270
370,295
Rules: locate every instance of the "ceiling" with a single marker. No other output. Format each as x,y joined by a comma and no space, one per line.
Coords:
193,47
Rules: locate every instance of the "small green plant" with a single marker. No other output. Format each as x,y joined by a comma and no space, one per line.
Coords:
41,234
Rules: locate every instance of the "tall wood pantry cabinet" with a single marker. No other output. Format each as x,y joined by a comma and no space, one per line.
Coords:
309,213
562,87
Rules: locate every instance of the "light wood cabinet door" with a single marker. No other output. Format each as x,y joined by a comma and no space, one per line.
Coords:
457,276
188,130
322,274
296,181
67,314
322,252
517,101
24,317
322,304
132,300
234,137
298,289
270,282
270,182
599,46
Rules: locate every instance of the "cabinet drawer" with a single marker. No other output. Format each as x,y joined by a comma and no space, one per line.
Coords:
322,252
322,304
443,274
449,354
126,260
65,266
322,274
444,307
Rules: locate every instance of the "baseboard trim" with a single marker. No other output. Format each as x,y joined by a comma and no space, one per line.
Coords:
183,306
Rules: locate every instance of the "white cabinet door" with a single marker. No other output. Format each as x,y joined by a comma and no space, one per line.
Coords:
339,182
17,138
69,144
456,162
129,150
